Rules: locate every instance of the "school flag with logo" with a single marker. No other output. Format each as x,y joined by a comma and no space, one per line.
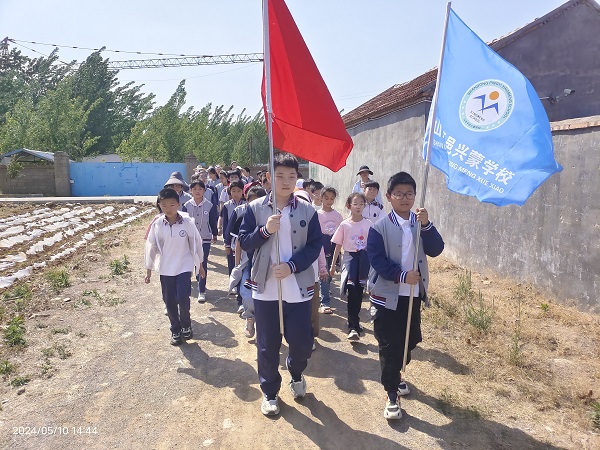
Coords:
491,134
306,121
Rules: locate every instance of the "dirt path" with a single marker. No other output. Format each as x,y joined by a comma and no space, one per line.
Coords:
124,386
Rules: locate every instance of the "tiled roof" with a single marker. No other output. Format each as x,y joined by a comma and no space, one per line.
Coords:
405,94
414,91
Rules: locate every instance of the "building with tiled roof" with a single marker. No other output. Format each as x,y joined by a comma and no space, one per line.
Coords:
555,236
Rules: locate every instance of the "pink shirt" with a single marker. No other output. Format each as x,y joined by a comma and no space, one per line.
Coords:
329,221
352,236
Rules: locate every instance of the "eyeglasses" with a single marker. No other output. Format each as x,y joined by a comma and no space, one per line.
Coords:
401,195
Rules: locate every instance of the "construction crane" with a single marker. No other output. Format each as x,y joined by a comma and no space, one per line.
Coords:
207,60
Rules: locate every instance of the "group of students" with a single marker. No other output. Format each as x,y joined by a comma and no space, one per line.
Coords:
288,243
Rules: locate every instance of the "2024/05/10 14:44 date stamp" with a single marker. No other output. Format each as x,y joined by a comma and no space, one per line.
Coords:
51,430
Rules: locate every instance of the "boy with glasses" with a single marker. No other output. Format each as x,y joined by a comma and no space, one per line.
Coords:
391,252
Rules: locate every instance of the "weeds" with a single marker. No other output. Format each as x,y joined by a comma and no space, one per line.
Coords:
65,330
93,293
47,369
6,367
48,352
545,307
596,415
63,352
19,295
462,291
14,334
19,381
447,401
119,266
515,354
478,314
59,279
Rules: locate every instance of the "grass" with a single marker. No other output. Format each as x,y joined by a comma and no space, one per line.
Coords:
19,381
6,367
447,401
515,355
14,334
59,279
65,330
596,415
119,266
63,352
18,295
478,314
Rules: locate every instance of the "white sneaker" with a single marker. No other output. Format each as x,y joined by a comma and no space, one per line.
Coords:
353,336
314,347
403,388
298,388
201,297
392,410
249,328
166,312
240,309
270,407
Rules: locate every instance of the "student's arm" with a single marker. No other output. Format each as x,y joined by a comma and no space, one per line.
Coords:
227,230
433,244
385,267
213,218
304,258
199,250
238,252
220,222
252,236
336,254
150,252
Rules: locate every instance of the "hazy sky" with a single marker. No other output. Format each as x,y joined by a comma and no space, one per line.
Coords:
361,47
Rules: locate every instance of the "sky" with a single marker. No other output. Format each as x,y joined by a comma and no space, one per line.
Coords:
360,47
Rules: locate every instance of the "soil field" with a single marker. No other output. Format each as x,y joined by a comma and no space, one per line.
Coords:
510,370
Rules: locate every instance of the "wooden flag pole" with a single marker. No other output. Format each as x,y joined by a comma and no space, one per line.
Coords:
267,62
424,188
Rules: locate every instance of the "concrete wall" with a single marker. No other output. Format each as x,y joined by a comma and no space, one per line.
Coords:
33,179
562,54
553,241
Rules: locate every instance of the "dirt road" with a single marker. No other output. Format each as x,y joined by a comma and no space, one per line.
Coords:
124,386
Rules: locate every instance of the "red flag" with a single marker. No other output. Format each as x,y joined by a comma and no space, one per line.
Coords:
306,121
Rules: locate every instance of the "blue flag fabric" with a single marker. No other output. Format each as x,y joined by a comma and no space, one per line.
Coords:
491,136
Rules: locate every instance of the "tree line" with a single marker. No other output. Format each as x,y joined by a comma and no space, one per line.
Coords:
83,110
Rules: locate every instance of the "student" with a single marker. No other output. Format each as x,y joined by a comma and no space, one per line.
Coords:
177,183
359,186
173,249
315,194
232,176
213,177
236,192
330,220
241,272
205,216
299,242
391,250
373,209
352,235
220,187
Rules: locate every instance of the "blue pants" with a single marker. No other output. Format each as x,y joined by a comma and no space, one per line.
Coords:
246,294
176,291
325,285
298,334
202,281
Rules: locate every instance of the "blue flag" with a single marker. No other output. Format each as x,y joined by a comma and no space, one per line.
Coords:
491,134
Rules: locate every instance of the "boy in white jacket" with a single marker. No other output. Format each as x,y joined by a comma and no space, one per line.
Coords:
174,249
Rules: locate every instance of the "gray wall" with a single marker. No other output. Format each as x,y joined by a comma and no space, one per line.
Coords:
564,53
33,179
553,241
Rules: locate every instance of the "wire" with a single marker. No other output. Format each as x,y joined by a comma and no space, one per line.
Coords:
98,49
197,76
39,53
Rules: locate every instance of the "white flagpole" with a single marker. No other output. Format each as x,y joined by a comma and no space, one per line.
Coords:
267,59
424,188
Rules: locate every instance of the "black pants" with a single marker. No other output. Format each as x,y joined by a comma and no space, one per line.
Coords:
355,294
176,291
390,332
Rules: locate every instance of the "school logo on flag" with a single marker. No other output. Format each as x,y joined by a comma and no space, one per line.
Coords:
486,105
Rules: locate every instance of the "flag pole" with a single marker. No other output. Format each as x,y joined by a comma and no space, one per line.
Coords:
424,187
267,61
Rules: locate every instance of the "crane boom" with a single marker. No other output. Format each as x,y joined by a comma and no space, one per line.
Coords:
186,61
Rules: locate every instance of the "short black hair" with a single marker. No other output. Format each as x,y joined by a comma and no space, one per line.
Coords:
400,178
284,159
255,192
168,193
237,184
330,189
198,183
247,169
316,186
234,172
307,183
374,184
212,170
